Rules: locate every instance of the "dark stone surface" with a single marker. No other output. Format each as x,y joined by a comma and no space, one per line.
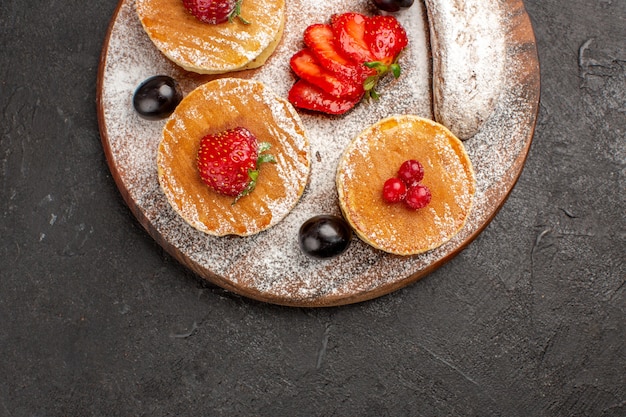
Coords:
95,320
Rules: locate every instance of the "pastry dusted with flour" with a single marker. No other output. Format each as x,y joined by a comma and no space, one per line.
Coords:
468,48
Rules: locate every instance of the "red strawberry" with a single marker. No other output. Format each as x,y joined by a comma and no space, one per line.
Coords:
385,37
321,40
354,50
229,161
306,66
307,96
349,30
215,11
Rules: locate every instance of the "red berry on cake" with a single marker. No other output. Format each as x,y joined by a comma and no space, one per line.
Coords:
406,186
229,161
215,11
411,172
394,190
418,196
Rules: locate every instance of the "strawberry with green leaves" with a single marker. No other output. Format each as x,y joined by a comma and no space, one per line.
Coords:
386,40
351,54
215,11
229,161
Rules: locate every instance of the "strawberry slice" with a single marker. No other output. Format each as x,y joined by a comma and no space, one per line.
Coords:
306,66
345,60
349,30
385,37
307,96
320,39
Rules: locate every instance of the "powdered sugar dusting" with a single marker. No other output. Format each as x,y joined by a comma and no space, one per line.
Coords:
270,266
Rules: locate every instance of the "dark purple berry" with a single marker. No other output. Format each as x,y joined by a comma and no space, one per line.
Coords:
157,97
392,5
324,236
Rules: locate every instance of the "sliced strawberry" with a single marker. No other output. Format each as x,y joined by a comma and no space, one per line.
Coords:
307,96
321,41
306,66
349,30
385,37
345,60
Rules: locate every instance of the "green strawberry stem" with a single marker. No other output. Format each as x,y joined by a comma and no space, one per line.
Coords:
236,13
254,173
381,70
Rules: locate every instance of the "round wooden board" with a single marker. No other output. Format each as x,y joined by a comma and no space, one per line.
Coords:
270,266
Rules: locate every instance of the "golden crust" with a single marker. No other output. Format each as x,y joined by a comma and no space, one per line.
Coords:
375,155
224,104
213,49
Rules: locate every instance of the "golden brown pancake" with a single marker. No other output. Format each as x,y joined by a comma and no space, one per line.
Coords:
375,155
225,104
213,49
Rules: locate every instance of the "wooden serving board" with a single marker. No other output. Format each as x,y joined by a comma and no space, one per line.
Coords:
270,266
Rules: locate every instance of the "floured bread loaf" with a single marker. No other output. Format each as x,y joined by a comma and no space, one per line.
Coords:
213,49
375,155
217,106
468,47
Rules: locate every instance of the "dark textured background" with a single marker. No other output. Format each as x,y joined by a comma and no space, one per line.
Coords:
95,320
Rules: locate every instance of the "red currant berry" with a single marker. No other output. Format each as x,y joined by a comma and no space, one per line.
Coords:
418,196
394,190
411,172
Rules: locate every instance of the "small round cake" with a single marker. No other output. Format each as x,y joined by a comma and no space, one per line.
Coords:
213,48
375,156
214,107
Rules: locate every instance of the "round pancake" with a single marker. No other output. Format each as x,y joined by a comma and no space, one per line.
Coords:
375,155
225,104
213,49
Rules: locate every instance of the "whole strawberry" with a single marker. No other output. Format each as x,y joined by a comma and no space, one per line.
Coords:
229,161
214,11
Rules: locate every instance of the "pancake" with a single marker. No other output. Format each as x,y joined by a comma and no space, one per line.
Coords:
213,49
225,104
375,155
